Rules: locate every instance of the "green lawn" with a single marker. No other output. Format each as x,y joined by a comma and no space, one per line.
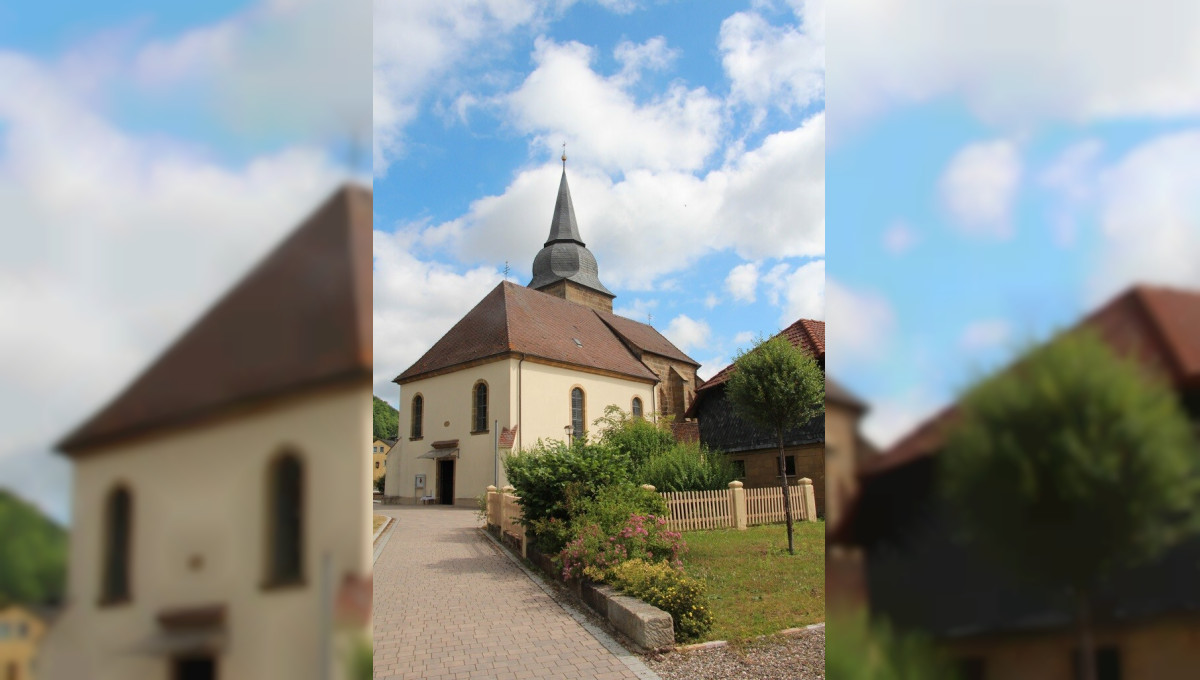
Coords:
754,586
376,522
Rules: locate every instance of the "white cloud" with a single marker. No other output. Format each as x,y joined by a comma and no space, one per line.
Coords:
711,301
860,326
743,338
417,43
742,282
799,292
415,303
775,66
709,367
894,416
651,55
1016,63
985,334
1072,176
768,202
899,238
563,99
121,238
300,68
979,185
688,334
1149,217
638,310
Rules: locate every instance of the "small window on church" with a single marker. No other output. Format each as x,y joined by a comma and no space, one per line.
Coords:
577,415
637,407
118,520
418,413
285,555
480,407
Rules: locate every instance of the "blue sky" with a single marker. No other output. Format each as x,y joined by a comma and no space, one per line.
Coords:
150,153
990,182
695,138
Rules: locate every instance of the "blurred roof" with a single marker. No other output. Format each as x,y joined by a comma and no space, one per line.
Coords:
837,393
1158,326
807,334
513,319
301,318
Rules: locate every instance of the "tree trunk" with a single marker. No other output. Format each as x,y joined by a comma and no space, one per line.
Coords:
787,502
1087,645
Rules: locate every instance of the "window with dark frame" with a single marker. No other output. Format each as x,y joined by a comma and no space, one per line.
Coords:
637,407
577,418
481,407
118,517
418,408
286,564
739,469
789,465
1108,663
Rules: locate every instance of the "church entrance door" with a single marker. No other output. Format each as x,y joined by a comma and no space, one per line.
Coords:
446,482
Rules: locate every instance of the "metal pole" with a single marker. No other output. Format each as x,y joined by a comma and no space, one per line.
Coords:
496,445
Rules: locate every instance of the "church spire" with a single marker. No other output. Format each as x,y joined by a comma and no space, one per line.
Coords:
564,266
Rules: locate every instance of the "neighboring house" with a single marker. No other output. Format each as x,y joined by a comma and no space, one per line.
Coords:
21,631
217,522
529,363
920,576
379,453
755,450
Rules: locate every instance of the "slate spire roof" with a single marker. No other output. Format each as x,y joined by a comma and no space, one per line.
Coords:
565,256
300,319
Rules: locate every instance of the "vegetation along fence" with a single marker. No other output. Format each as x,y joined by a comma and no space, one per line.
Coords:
734,507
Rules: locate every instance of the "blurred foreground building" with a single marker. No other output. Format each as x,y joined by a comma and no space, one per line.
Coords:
529,362
920,576
21,631
221,527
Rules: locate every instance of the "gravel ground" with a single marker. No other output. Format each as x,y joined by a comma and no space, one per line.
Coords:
792,657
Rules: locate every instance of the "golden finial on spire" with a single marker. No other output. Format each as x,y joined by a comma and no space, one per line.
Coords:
564,156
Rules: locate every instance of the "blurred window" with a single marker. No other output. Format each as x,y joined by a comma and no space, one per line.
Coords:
637,407
739,469
479,407
418,412
118,518
789,465
1108,663
577,418
286,481
5,631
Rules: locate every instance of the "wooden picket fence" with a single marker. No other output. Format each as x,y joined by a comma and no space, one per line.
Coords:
690,510
765,506
734,507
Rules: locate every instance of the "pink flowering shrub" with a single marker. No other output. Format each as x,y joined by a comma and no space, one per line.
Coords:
594,554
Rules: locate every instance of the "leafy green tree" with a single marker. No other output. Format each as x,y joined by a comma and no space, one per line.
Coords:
33,554
1071,465
778,387
638,437
386,420
687,467
858,649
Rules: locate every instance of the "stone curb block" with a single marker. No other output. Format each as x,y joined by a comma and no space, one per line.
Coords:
648,626
715,644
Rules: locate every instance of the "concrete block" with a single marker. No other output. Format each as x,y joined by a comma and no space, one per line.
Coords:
648,626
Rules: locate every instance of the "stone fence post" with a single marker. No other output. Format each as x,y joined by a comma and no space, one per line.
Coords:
808,499
648,487
493,505
505,514
737,505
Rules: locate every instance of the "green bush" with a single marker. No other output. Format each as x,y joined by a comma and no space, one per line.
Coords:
552,476
687,467
857,648
638,437
612,506
669,589
593,552
379,483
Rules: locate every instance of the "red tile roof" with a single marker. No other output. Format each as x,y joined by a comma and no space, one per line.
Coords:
644,337
300,318
1160,327
806,334
513,319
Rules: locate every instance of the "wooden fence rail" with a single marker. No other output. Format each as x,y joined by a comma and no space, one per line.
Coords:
734,507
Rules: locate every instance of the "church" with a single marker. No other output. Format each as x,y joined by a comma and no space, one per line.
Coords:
533,362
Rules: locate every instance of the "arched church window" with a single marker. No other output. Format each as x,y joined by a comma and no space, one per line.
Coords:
577,414
479,407
118,524
418,413
285,556
637,407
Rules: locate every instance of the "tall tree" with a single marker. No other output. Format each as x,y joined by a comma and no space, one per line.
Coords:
386,420
778,387
1070,465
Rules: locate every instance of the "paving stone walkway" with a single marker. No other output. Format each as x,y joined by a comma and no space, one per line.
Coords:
449,606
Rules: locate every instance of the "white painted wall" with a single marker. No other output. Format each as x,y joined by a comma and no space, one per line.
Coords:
201,492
